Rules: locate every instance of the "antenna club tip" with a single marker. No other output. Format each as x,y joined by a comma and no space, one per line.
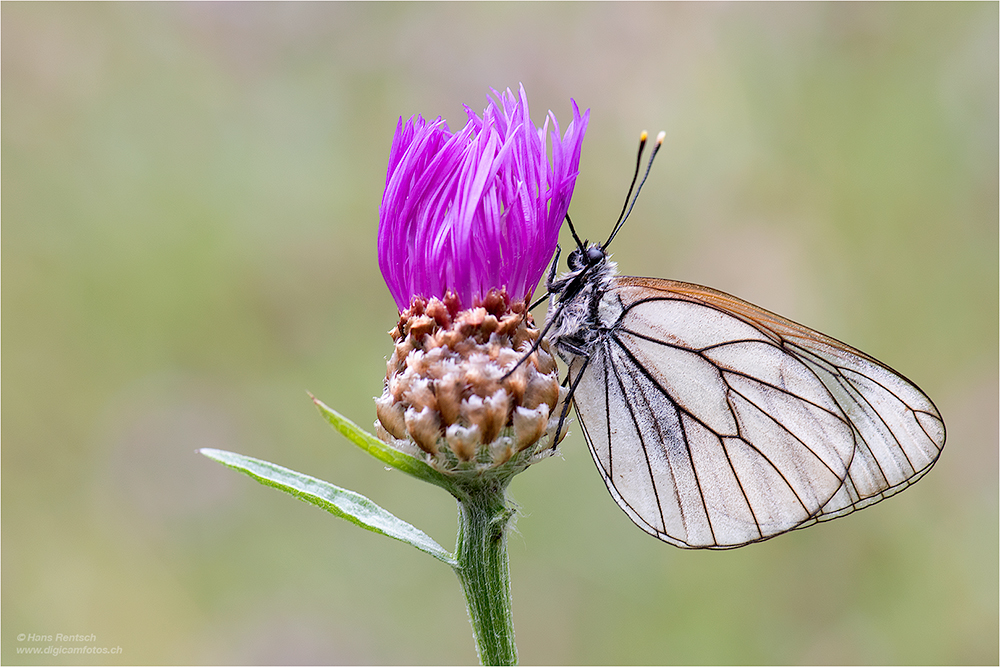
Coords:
644,136
660,137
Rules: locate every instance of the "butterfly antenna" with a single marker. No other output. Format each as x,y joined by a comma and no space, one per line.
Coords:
635,175
572,229
638,162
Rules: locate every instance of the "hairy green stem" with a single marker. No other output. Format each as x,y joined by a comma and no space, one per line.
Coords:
482,568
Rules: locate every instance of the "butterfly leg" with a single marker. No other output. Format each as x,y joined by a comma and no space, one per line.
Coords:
569,398
549,280
552,270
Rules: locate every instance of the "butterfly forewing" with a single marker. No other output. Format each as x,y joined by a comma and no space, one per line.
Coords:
715,423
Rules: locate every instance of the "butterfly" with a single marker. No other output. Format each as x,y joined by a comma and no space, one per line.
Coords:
716,423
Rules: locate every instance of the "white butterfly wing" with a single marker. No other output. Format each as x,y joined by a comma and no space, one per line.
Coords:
715,423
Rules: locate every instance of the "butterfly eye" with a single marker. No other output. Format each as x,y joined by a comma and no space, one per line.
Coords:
594,255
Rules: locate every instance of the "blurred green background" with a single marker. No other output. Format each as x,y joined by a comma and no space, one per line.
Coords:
190,201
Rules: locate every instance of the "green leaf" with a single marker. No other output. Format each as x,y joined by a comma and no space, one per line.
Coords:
337,501
380,450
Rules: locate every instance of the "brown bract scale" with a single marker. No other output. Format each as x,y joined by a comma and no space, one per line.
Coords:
446,398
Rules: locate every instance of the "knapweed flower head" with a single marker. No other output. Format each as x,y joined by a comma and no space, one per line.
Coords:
467,226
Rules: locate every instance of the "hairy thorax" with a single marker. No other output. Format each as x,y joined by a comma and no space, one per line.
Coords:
583,309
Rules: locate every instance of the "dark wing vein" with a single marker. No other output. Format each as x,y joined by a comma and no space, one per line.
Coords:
642,369
684,410
642,439
854,395
700,352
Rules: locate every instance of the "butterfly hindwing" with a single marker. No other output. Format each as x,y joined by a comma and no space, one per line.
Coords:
716,424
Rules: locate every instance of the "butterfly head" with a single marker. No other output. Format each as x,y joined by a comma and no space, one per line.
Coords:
586,256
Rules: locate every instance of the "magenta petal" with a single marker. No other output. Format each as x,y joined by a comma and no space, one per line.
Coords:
479,209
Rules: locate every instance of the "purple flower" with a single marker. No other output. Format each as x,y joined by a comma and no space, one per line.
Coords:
479,209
